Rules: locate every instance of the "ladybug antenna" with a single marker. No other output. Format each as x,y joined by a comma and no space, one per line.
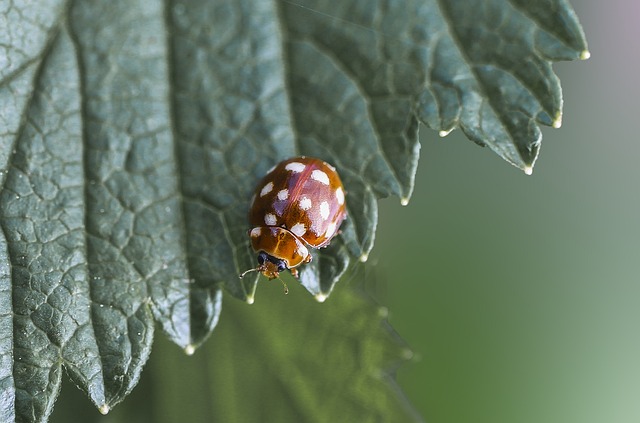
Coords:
284,284
286,288
248,271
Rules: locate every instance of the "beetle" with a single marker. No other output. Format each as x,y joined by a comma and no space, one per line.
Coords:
298,205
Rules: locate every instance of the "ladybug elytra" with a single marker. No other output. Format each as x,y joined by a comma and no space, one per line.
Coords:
298,205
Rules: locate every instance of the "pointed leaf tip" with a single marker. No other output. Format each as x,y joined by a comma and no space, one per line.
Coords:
190,349
407,354
557,122
383,312
320,297
104,409
585,55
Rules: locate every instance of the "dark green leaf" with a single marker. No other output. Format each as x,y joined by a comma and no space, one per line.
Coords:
133,132
483,65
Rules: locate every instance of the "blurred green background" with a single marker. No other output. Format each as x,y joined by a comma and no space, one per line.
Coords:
519,294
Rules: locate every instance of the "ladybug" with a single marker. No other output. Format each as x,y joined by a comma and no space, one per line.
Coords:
298,205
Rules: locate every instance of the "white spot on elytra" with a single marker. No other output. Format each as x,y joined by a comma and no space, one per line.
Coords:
320,176
283,194
331,229
324,210
255,232
266,189
270,219
295,167
298,229
305,203
340,195
302,250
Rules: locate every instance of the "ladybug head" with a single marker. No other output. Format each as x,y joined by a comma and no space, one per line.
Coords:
271,267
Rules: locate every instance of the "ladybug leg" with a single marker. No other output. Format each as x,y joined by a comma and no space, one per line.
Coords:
294,273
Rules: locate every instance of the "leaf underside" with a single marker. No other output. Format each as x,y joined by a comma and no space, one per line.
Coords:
133,132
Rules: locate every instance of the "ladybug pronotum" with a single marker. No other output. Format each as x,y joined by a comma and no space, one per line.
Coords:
298,205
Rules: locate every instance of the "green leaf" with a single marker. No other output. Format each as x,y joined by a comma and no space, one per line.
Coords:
133,132
482,65
319,362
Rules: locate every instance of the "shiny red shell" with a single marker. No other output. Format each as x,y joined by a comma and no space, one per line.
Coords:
300,203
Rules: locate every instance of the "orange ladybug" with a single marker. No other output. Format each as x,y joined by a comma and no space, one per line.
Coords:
298,205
